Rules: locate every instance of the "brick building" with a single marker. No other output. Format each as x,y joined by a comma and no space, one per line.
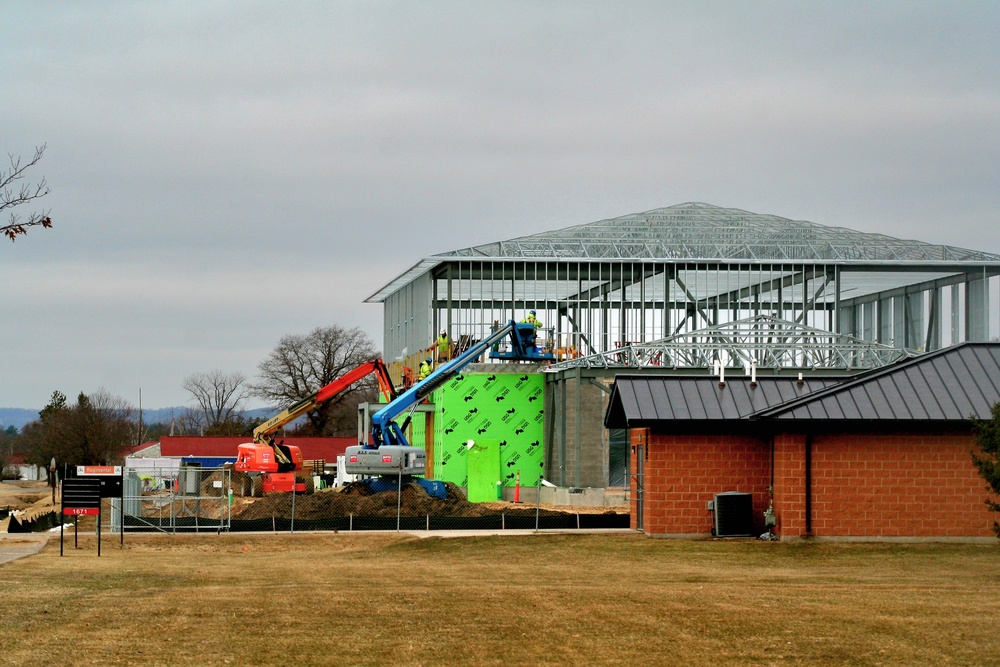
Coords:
882,455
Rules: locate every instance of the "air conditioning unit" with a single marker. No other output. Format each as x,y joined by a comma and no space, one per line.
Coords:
733,514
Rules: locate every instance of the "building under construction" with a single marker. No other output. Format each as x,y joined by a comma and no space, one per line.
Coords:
691,288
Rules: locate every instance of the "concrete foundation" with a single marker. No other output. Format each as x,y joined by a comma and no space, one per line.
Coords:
569,496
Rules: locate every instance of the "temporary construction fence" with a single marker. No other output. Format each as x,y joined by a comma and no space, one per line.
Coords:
173,499
197,499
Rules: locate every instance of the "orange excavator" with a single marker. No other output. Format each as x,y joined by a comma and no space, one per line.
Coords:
277,464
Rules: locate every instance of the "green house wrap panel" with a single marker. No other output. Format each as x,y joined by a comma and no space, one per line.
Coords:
506,408
483,465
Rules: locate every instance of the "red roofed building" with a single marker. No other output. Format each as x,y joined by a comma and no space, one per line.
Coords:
211,451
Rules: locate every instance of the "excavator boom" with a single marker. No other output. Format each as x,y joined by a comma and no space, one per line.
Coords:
265,432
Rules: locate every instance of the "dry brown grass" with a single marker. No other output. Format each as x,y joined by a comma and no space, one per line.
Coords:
392,599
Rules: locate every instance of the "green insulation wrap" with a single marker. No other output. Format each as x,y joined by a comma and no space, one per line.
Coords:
499,411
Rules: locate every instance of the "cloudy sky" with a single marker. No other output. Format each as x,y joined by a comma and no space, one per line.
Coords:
226,173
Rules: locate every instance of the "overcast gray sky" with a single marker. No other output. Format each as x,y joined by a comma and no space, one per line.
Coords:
226,173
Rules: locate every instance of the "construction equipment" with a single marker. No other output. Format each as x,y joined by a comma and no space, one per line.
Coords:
277,463
523,346
389,453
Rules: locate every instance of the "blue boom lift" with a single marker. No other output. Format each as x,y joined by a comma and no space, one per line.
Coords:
390,456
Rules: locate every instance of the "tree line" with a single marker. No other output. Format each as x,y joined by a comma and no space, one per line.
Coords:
100,429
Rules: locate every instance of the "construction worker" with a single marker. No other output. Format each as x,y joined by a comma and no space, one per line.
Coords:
531,319
444,346
425,369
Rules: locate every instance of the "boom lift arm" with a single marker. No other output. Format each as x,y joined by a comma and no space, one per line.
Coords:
264,433
278,461
385,430
390,453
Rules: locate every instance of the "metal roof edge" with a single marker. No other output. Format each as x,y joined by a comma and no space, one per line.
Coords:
863,378
617,413
394,285
564,235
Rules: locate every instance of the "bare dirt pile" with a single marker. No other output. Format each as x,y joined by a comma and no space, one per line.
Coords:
357,500
26,500
18,495
241,483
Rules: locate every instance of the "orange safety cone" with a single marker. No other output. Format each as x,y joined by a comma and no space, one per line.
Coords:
517,487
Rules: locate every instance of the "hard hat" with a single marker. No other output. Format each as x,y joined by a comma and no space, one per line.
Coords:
444,332
428,360
532,312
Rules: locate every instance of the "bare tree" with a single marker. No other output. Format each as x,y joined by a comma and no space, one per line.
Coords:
189,422
12,196
8,440
301,365
220,396
110,421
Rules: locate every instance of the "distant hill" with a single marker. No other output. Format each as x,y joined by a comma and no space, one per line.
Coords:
164,415
18,417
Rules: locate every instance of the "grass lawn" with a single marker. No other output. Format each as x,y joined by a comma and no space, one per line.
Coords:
393,599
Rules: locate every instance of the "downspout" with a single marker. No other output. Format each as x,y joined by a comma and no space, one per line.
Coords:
808,498
770,522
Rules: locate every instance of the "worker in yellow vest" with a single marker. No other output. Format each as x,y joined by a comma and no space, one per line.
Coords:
443,346
425,369
531,319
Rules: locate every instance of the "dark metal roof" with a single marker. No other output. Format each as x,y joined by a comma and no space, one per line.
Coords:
644,400
952,384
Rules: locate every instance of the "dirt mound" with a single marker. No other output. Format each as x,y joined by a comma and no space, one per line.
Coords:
356,499
241,483
20,494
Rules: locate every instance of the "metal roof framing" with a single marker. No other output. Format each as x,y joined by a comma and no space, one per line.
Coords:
702,231
757,343
617,289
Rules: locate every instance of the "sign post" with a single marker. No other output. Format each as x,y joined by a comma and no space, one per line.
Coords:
82,496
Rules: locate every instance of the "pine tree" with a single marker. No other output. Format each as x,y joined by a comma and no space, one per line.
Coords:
987,458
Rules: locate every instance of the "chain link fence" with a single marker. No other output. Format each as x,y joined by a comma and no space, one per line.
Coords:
192,499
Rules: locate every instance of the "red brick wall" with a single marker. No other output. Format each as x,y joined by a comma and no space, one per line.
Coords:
861,485
683,473
896,486
790,485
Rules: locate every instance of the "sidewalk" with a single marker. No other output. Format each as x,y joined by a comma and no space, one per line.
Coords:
19,545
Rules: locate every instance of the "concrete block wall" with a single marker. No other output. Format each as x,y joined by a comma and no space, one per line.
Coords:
577,451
